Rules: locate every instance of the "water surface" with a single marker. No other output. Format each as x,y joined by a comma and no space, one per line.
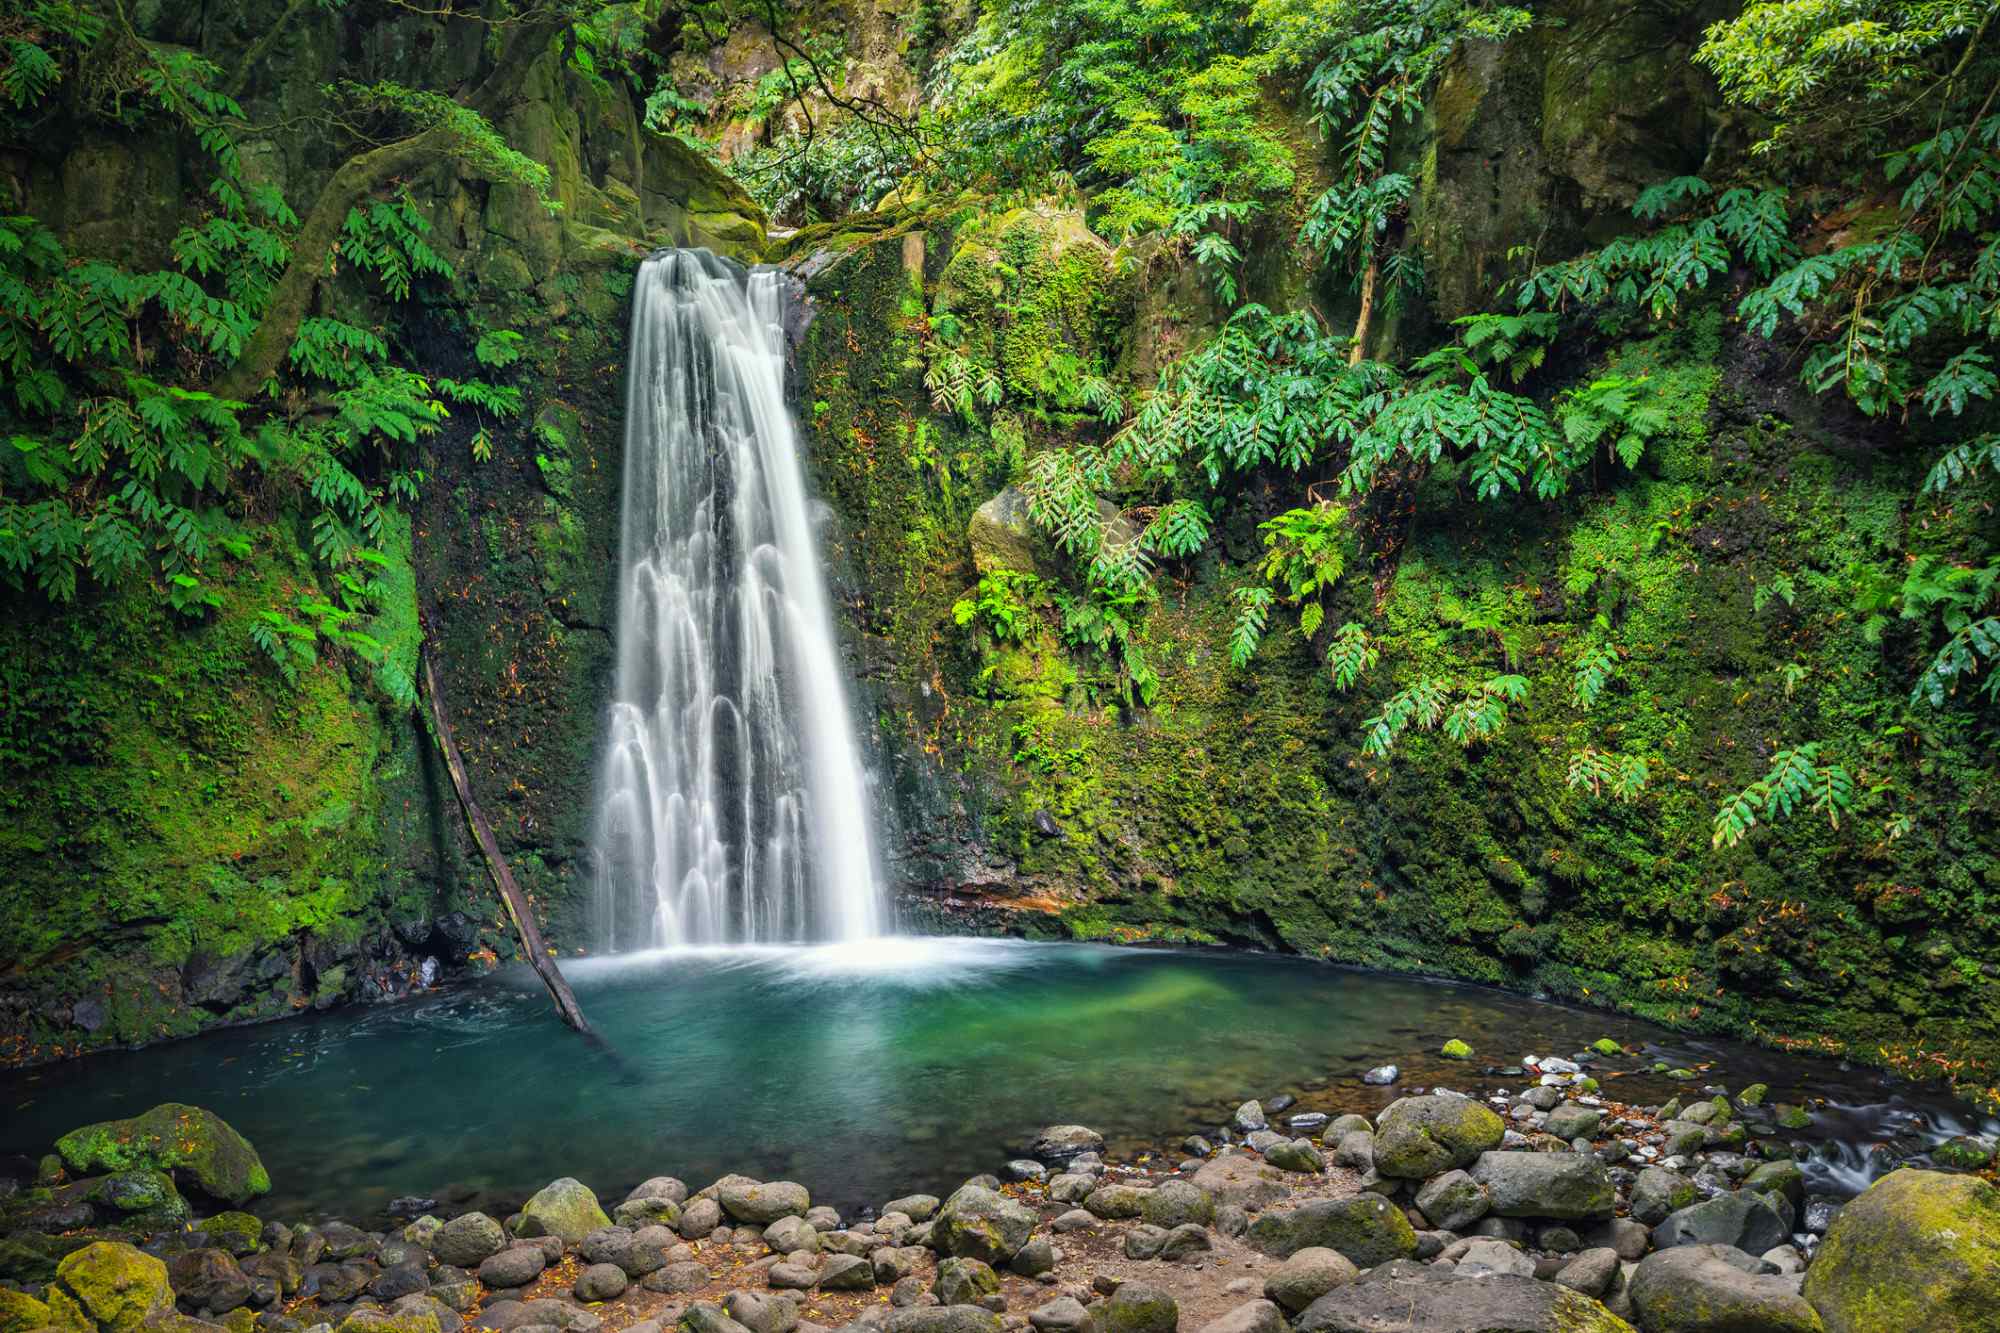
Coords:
864,1070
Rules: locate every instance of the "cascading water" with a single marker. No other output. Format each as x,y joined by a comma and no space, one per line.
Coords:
732,805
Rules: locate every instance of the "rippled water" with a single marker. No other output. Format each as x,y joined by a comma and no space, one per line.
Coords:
864,1070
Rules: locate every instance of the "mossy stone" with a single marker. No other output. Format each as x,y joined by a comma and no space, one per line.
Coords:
114,1285
1919,1249
1606,1046
1456,1050
385,1321
237,1232
20,1312
196,1144
1417,1137
564,1208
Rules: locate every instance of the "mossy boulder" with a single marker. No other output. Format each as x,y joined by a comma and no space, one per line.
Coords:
196,1145
388,1321
979,1223
1455,1050
1920,1249
564,1208
1367,1229
20,1312
237,1232
1418,1137
109,1286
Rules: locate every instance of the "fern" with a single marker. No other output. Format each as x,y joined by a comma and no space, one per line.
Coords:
1593,673
1796,777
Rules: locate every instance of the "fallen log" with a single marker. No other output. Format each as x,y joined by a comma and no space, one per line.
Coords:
482,832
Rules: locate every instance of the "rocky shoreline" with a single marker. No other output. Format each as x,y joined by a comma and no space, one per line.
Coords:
1545,1207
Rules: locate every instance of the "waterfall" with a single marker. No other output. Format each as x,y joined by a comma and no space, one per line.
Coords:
732,805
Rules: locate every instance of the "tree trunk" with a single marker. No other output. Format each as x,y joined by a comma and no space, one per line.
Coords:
1367,315
482,832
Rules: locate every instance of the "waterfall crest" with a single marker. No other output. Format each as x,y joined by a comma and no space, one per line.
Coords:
732,804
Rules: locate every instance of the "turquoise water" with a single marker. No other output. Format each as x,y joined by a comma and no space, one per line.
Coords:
863,1070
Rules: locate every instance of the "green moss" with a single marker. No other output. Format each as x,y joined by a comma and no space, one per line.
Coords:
1919,1249
172,1137
111,1287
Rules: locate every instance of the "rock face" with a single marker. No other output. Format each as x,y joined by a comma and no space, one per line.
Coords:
1366,1230
198,1146
1418,1137
1919,1249
1564,1185
1003,537
1698,1289
979,1223
564,1208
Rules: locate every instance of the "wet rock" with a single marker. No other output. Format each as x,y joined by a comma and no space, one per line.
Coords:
208,1280
761,1203
1059,1143
916,1207
1918,1249
1452,1201
1306,1122
1743,1221
1563,1185
1455,1050
1778,1178
1023,1168
1249,1118
981,1223
1367,1229
1703,1288
108,1285
1307,1275
1382,1075
1417,1137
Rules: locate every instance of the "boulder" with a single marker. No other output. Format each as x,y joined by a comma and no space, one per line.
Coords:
698,1218
1438,1301
1247,1182
1055,1143
675,1278
1116,1201
1186,1239
209,1280
1452,1201
943,1319
1137,1307
1308,1275
1698,1289
1571,1121
652,1210
1567,1186
109,1286
564,1208
1658,1192
916,1207
1417,1137
196,1145
761,1203
1591,1272
1744,1221
513,1267
761,1313
1296,1155
1919,1249
1038,1256
1367,1229
846,1272
1064,1314
1485,1255
980,1223
1176,1202
965,1281
467,1241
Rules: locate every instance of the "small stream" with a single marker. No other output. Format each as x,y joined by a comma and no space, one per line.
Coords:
876,1068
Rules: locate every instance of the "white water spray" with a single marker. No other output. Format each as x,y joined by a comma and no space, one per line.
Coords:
732,805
